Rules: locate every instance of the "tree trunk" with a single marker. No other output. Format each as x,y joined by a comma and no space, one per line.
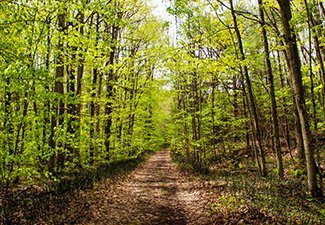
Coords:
296,76
109,87
312,22
256,128
276,132
92,103
80,71
58,105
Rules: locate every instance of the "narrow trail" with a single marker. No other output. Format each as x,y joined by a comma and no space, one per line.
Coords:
155,193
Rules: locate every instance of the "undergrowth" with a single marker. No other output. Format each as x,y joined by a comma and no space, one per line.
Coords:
248,198
189,164
27,204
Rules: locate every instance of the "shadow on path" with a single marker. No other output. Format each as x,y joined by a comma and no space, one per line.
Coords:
154,193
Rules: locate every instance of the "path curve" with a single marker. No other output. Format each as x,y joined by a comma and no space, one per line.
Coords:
155,193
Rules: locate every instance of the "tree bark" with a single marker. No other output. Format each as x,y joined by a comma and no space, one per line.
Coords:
109,87
276,131
296,77
58,105
93,103
256,128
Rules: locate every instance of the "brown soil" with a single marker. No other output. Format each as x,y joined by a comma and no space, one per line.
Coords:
155,193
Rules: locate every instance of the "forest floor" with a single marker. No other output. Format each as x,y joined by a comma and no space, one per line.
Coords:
156,192
160,192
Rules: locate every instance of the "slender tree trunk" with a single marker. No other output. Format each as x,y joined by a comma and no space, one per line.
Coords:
296,76
311,24
71,106
58,105
298,134
8,127
214,130
285,122
321,71
276,130
109,87
80,71
235,100
250,94
298,130
316,21
92,116
307,54
46,141
194,111
92,103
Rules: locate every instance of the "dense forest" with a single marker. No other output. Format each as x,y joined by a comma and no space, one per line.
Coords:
90,82
78,85
251,75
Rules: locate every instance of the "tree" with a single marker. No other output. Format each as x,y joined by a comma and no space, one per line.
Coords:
256,127
276,132
62,66
296,78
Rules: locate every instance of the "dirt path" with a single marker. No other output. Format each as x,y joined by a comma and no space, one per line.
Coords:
155,193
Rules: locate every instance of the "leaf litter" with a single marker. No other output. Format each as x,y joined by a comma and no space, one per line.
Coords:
157,192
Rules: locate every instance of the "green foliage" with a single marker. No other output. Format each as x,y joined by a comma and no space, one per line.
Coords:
55,124
230,202
88,83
